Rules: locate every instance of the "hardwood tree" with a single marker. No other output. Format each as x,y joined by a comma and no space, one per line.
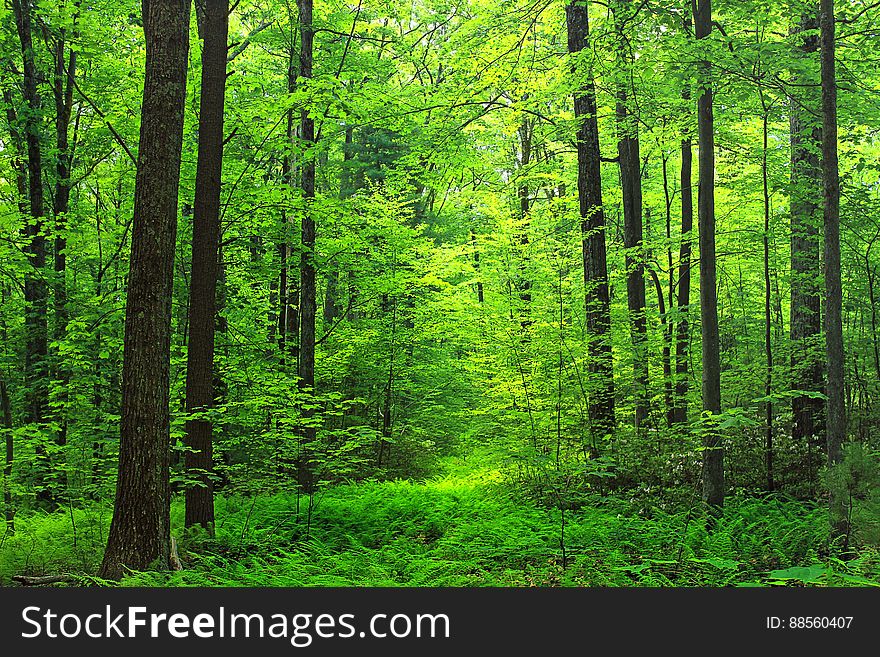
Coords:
214,27
307,269
835,428
807,362
713,454
140,530
629,161
589,180
36,291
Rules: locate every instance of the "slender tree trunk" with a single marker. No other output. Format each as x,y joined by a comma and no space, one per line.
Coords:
807,359
631,187
768,316
598,307
713,454
477,271
524,282
140,530
668,325
682,337
63,93
200,391
834,353
35,288
8,508
307,261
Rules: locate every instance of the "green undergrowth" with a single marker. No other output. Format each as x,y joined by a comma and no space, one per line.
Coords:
459,530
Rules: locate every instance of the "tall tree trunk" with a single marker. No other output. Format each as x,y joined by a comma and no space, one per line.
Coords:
713,454
835,427
63,93
598,307
631,187
308,303
8,508
682,330
288,289
668,324
35,288
807,359
140,530
205,266
524,283
768,316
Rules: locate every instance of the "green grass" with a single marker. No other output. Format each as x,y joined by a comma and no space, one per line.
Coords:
463,529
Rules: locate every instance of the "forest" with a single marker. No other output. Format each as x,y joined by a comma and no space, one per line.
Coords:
440,293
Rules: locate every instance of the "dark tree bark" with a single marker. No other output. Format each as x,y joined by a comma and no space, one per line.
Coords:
35,288
140,530
480,297
682,329
835,428
308,302
713,454
524,282
63,93
6,408
631,187
205,265
807,359
768,316
288,287
598,307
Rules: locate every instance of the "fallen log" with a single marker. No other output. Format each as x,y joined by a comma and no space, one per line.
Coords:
40,580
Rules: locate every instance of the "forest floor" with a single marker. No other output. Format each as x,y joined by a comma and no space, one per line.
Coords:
467,527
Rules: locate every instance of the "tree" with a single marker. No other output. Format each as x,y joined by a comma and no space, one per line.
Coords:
308,300
806,190
835,428
35,288
713,454
205,266
589,180
629,161
140,530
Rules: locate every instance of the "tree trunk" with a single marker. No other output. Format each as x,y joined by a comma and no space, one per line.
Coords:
682,331
598,307
308,302
205,266
140,530
63,93
768,316
35,288
807,359
524,282
713,454
8,508
631,187
835,428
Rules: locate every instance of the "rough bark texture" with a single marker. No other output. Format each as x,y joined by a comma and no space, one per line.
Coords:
631,187
807,359
63,92
140,531
835,428
308,302
205,265
601,403
682,332
713,454
35,288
